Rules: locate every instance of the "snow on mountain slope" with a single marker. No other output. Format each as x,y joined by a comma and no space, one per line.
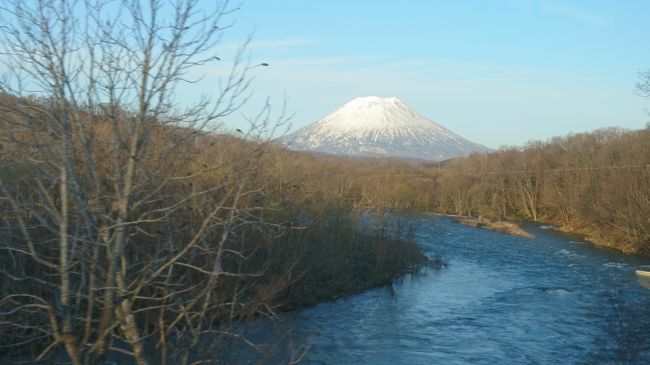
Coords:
374,126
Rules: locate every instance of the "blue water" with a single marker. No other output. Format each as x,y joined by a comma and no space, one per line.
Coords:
502,300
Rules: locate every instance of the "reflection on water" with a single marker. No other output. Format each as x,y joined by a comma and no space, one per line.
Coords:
502,300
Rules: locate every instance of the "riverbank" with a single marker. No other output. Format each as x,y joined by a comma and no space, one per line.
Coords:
592,236
586,232
349,263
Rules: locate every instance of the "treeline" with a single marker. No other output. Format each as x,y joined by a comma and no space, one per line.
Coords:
596,184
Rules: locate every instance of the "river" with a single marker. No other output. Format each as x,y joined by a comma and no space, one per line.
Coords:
502,299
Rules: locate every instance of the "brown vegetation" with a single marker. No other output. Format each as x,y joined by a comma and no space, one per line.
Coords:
596,184
218,229
129,228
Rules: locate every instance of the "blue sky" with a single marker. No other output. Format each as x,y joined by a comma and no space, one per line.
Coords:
498,72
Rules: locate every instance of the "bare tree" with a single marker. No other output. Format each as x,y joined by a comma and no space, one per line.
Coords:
120,230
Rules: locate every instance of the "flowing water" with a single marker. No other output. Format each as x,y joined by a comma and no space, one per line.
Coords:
502,300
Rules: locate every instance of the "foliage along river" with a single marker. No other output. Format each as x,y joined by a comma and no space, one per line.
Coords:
502,300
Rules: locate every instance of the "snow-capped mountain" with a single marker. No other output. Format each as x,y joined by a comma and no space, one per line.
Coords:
381,127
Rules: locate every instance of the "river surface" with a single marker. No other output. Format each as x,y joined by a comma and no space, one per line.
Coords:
502,299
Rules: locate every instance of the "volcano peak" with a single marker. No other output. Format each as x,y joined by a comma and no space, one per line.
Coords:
377,126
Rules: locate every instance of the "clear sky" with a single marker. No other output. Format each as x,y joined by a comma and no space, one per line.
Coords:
498,72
